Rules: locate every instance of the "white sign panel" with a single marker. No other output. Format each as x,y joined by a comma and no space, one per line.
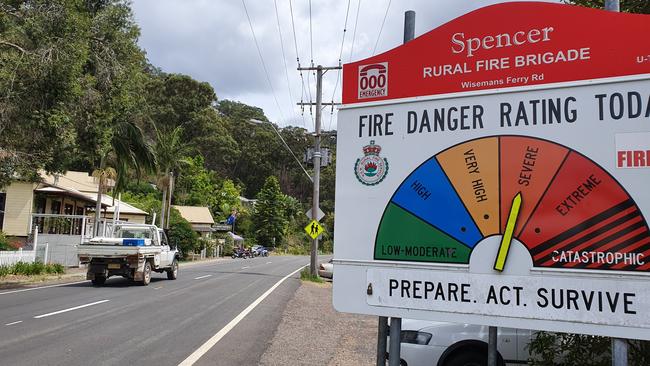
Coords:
521,207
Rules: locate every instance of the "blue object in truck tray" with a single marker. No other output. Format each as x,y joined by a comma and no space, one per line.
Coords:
133,242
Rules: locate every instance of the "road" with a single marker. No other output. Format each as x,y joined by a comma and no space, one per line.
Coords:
164,323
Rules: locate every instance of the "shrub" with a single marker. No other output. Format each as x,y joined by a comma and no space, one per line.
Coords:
31,269
4,242
549,349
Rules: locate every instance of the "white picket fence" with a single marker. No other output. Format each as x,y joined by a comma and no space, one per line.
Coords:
8,258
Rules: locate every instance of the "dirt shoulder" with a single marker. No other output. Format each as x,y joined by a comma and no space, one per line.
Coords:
311,332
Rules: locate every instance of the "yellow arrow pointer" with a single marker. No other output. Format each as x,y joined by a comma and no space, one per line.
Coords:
507,235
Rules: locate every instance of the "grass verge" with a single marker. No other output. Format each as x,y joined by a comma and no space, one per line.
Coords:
305,275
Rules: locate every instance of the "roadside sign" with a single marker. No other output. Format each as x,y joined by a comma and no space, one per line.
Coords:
494,171
314,229
319,217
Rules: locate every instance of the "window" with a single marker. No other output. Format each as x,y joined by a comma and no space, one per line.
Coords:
55,208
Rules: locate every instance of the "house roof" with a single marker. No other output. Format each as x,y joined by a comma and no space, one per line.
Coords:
80,181
195,214
107,200
50,189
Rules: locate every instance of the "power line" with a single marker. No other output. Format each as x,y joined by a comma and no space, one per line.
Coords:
284,57
259,52
381,28
311,56
354,33
338,74
303,92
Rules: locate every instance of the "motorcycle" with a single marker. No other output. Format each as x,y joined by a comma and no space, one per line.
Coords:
242,253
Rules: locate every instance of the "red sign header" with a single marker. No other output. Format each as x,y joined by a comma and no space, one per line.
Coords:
504,46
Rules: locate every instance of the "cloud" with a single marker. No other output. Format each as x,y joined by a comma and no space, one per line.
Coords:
211,40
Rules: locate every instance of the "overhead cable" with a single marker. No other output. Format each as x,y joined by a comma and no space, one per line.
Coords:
259,52
354,33
381,28
303,91
338,74
284,58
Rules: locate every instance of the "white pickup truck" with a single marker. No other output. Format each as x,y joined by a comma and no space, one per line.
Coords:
133,252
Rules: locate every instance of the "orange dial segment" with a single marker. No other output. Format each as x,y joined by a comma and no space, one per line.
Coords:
473,169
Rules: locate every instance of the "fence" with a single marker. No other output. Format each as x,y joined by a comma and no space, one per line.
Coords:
8,258
59,235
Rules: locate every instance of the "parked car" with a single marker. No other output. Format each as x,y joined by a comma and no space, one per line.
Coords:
260,251
326,269
429,343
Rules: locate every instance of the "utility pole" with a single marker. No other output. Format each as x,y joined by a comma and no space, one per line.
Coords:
320,71
619,345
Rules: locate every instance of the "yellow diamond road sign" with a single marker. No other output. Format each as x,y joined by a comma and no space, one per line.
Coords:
314,229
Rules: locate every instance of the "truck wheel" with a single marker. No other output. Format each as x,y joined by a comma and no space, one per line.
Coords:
99,280
146,274
173,272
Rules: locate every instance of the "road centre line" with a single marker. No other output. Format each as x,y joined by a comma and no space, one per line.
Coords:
41,287
205,347
70,309
246,267
20,321
206,276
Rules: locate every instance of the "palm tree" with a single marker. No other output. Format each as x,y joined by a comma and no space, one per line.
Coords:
127,149
171,153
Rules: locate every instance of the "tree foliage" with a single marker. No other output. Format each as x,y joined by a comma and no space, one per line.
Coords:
629,6
181,233
270,221
77,93
68,69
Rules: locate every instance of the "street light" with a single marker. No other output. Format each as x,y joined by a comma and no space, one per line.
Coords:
258,122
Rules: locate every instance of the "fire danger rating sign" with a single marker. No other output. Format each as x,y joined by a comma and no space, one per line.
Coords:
517,188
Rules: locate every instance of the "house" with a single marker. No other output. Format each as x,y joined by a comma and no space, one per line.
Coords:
59,204
199,217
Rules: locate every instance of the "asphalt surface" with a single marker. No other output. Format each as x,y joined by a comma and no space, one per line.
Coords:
123,323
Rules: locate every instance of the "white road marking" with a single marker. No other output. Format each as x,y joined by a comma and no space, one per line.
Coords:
39,288
269,262
70,309
246,267
206,276
205,347
20,321
157,288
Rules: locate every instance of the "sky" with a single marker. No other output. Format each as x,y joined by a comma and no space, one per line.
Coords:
212,41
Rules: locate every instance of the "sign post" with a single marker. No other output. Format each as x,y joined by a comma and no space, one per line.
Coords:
503,177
